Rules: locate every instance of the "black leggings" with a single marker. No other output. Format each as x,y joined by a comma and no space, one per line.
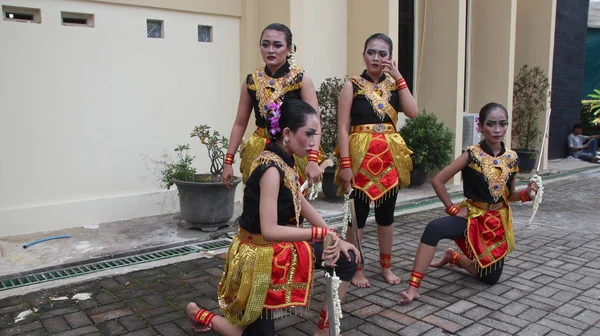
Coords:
452,227
344,270
384,213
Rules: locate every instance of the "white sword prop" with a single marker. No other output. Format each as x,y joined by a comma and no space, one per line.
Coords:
333,300
537,179
331,288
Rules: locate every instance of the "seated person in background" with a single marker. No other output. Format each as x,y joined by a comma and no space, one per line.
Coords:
583,147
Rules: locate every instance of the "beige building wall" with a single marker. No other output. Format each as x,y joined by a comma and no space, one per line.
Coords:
80,106
534,44
215,7
366,18
324,41
441,63
491,70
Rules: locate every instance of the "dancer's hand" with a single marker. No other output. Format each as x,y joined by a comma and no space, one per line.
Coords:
346,178
227,176
313,172
463,212
532,189
332,253
345,247
391,67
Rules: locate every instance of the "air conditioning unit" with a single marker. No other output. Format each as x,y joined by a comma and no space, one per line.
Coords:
470,135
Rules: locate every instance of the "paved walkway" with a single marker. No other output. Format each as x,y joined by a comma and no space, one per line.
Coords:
550,286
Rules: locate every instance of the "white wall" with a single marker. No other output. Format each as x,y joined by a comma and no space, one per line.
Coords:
323,39
79,106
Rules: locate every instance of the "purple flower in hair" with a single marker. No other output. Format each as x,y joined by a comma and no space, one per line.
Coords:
275,110
477,124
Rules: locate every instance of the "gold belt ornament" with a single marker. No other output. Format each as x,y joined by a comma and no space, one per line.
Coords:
488,206
253,238
374,128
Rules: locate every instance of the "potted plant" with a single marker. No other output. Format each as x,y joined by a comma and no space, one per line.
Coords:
431,142
530,99
328,96
204,200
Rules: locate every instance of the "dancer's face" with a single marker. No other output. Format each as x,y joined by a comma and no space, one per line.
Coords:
273,48
377,51
303,139
494,126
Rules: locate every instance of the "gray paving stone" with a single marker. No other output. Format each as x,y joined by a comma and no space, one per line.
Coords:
478,313
500,325
592,332
416,329
111,327
170,329
21,328
557,326
588,317
568,310
385,323
534,330
500,316
371,329
55,325
476,329
79,331
461,306
442,323
514,308
422,311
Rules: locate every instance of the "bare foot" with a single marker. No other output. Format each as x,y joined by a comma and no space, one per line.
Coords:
389,276
444,259
192,309
359,280
411,294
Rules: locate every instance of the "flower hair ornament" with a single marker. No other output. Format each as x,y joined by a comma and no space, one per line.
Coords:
275,109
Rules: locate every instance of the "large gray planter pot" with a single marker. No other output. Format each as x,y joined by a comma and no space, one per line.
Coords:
206,205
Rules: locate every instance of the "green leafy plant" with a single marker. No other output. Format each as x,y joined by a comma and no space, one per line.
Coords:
594,103
589,119
431,142
180,169
328,96
530,99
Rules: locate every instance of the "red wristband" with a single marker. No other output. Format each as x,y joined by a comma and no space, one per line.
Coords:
228,159
452,210
345,162
524,196
313,155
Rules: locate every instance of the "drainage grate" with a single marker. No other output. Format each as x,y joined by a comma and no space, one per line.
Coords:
212,245
74,271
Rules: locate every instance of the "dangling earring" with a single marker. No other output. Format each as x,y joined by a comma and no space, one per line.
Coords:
292,57
286,141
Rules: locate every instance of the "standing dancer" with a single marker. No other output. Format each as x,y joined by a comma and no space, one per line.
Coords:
374,159
278,80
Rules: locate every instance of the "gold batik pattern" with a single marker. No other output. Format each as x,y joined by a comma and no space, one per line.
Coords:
271,90
378,95
245,282
496,170
290,178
